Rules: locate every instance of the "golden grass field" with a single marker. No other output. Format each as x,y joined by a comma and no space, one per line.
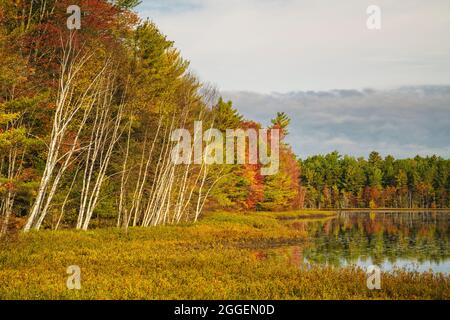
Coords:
218,258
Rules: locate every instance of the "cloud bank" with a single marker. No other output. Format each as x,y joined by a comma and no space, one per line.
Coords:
403,122
248,46
286,45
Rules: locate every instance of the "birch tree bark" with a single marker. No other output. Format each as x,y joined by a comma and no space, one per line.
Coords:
106,132
68,107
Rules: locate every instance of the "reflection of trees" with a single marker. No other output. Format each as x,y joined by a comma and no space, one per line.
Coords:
384,236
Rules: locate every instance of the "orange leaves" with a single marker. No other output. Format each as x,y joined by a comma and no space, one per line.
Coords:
102,26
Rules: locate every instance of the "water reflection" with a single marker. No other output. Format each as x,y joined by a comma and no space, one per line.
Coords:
412,241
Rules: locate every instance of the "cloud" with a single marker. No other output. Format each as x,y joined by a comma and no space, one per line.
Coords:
285,45
269,46
169,6
402,122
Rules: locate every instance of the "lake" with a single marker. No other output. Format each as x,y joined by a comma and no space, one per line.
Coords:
414,241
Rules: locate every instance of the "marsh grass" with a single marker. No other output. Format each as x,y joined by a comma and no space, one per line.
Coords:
217,258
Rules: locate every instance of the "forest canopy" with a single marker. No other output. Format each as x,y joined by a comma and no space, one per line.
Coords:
336,181
86,117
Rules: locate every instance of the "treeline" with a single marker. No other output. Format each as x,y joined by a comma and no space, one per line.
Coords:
85,123
86,118
335,181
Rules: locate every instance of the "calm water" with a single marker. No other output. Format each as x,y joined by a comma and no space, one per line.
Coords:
414,241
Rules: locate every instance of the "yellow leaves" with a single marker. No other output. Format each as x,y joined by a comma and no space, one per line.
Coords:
5,118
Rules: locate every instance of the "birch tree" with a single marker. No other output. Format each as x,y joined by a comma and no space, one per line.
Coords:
70,106
105,133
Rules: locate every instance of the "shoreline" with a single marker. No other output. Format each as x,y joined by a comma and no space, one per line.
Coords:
220,257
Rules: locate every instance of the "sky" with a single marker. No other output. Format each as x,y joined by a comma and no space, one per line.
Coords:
346,87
